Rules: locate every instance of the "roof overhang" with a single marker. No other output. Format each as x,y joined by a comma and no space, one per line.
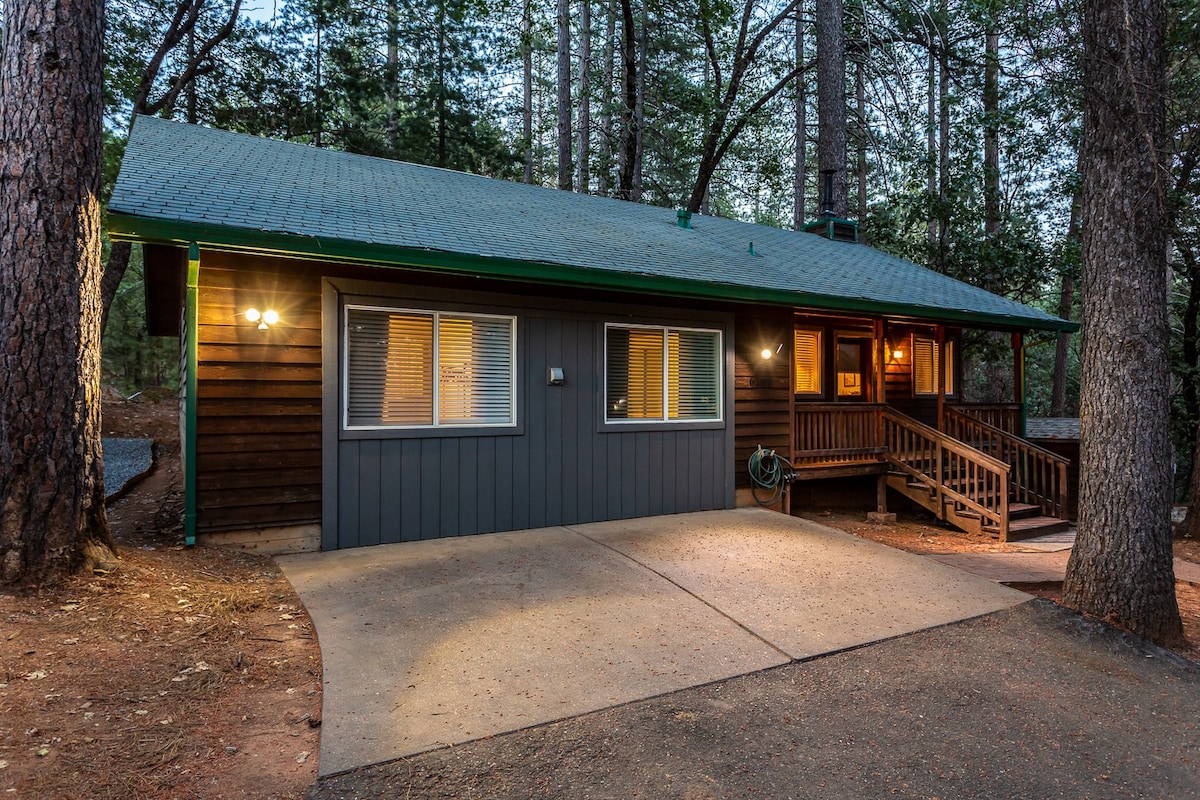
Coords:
126,227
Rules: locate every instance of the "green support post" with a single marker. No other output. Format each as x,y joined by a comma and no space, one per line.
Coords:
191,334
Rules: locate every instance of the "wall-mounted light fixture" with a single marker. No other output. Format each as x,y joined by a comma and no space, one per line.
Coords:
767,353
265,319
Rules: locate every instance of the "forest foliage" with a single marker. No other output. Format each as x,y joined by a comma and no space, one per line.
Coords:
962,126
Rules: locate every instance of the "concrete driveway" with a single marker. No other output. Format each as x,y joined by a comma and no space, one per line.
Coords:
441,642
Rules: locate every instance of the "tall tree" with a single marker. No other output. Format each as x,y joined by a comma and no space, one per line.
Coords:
179,20
52,518
1121,566
563,27
585,95
831,103
800,181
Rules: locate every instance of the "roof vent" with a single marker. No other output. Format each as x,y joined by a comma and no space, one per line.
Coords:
683,218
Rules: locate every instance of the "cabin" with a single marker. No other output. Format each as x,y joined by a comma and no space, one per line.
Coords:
373,351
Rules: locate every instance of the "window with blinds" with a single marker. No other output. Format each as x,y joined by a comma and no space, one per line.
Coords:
807,351
662,374
427,369
926,365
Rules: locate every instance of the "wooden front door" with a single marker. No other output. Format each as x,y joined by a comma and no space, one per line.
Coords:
853,373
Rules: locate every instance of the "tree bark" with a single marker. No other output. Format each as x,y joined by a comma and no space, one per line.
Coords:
527,86
52,518
585,96
629,93
639,108
609,59
860,107
563,26
1121,566
991,133
801,178
831,102
1066,306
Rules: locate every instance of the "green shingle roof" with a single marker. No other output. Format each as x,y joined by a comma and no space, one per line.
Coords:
185,183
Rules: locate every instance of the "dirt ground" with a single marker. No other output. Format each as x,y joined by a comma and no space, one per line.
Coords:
185,672
926,536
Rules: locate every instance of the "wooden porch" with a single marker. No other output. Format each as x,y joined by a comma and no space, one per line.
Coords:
972,471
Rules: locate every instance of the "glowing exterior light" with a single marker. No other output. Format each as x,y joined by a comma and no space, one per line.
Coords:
767,352
252,315
270,317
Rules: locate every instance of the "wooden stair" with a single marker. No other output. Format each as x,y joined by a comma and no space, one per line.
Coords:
972,489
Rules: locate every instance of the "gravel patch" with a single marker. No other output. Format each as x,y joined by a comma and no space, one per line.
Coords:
125,461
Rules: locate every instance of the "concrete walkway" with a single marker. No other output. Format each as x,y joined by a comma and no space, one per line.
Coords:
446,641
1034,567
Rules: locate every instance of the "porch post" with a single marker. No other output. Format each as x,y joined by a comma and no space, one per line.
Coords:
880,363
941,375
1019,379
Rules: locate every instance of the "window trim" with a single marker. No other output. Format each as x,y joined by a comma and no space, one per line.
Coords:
436,425
664,420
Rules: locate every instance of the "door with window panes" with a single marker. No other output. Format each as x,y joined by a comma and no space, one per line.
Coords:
853,356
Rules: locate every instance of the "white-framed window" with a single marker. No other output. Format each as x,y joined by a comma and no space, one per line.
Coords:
662,374
807,352
408,368
926,363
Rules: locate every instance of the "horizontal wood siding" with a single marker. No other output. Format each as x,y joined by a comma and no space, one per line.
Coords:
560,467
259,395
762,387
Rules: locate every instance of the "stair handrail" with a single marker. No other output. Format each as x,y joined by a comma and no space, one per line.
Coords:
991,474
1038,476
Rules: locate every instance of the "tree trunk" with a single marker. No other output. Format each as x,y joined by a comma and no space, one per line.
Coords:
629,90
392,89
931,231
527,86
831,102
943,141
605,154
639,108
52,518
991,133
801,179
860,106
563,26
1121,566
1066,306
585,96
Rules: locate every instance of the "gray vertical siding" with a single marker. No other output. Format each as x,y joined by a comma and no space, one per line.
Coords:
560,466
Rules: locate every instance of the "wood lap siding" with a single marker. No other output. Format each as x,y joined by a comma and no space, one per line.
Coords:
259,412
762,388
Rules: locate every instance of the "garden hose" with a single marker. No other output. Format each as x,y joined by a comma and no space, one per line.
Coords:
769,472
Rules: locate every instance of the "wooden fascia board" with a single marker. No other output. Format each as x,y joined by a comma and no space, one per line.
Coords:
126,227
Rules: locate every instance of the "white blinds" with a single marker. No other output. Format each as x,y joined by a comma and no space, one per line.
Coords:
474,371
693,375
391,364
926,363
662,374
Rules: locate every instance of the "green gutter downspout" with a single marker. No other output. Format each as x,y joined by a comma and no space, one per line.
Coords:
191,334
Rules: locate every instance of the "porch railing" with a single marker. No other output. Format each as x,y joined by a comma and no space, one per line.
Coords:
837,434
961,480
1005,416
1037,476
